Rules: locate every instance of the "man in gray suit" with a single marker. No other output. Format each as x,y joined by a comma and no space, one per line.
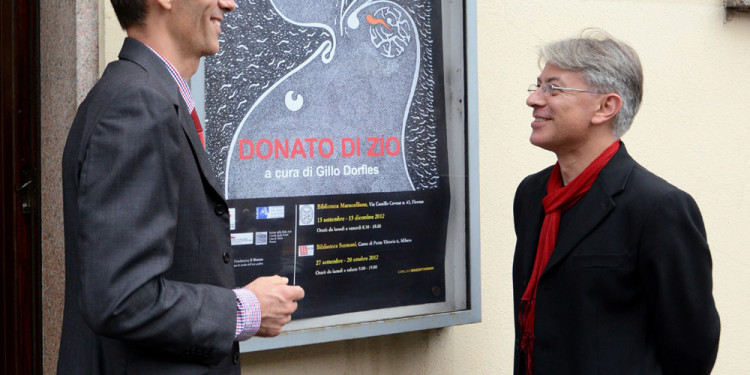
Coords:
149,274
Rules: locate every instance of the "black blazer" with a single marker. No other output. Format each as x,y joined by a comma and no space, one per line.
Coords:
628,288
147,246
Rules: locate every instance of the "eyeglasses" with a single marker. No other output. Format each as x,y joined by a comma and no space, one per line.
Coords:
551,90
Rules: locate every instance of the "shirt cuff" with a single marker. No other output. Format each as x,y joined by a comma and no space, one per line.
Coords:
248,315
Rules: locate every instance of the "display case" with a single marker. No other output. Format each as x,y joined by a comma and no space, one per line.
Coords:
344,133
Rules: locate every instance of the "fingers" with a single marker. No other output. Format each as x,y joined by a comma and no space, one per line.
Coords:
277,300
298,293
272,280
280,279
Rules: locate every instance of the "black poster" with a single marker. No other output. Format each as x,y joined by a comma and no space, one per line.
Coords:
326,127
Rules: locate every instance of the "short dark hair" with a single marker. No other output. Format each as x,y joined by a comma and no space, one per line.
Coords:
130,12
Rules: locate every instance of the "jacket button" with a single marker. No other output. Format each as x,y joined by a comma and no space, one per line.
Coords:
236,358
226,257
219,209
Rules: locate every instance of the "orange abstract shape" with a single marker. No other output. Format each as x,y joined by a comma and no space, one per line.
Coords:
377,21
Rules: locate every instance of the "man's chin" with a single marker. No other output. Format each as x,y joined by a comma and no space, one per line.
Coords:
536,140
541,143
212,50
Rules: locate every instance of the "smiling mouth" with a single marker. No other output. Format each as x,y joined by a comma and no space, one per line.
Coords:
540,119
217,23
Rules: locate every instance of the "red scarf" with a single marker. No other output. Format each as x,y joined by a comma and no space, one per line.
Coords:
559,198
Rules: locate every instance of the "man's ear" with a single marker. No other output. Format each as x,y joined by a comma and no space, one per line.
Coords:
609,106
164,4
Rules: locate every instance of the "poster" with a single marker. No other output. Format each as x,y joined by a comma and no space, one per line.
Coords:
326,127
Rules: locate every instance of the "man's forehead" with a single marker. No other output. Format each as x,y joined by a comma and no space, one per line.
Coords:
553,73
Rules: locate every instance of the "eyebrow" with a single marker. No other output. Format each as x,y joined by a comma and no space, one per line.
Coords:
550,79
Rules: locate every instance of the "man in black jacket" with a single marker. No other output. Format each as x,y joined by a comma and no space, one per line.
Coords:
612,271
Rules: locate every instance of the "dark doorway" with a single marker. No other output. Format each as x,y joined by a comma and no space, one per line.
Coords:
20,224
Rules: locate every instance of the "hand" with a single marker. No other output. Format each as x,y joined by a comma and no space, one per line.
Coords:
277,302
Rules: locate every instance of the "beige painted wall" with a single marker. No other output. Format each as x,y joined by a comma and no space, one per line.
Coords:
690,130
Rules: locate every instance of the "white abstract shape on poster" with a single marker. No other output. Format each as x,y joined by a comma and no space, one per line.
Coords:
353,22
294,101
393,28
326,51
390,32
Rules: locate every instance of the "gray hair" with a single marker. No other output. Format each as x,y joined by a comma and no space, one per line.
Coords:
606,64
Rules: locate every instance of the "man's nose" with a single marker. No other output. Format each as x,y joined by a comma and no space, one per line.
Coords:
535,99
227,5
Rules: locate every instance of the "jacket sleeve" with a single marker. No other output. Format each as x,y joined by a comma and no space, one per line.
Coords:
128,198
675,265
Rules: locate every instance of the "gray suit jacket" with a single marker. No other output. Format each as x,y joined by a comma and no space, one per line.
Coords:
147,246
628,288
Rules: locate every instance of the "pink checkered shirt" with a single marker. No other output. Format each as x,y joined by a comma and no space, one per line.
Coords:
248,315
248,307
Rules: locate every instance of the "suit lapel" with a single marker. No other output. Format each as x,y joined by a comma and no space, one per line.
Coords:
534,221
137,52
593,208
188,126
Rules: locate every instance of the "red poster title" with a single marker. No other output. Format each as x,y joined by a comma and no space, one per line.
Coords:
309,148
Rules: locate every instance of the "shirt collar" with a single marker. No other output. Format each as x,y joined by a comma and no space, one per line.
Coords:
184,89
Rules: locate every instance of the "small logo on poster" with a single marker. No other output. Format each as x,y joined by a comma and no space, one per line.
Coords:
261,238
269,212
239,239
232,220
306,250
306,214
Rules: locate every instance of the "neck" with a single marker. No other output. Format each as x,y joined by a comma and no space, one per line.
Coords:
573,162
185,65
